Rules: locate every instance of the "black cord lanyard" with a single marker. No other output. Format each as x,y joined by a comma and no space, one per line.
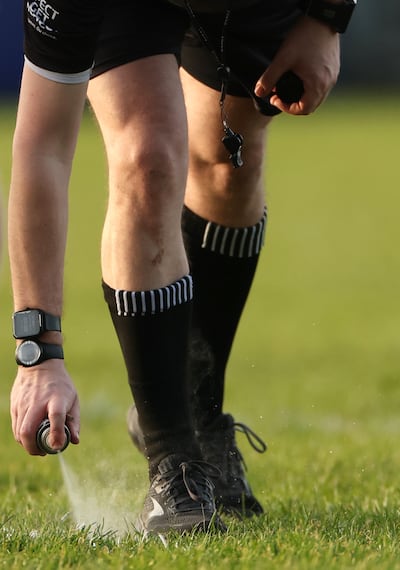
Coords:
232,141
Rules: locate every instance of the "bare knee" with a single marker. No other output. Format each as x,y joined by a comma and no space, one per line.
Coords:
222,193
147,184
147,175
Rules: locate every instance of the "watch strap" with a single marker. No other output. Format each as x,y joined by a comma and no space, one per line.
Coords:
51,322
337,16
51,350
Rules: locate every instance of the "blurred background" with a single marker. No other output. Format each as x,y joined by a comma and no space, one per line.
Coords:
371,47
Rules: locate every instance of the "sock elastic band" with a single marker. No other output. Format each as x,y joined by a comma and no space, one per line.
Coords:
132,303
224,240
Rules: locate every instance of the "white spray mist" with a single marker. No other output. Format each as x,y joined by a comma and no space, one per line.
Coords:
103,499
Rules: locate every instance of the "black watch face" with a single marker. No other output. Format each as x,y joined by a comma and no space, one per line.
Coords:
26,324
29,353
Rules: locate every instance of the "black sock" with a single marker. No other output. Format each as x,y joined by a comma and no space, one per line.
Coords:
223,263
153,327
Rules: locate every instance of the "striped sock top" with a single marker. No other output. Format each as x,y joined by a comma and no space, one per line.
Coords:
132,303
235,242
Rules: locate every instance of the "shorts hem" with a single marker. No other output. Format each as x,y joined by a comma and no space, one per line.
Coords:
67,78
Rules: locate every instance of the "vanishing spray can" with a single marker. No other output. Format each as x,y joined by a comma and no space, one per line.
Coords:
42,435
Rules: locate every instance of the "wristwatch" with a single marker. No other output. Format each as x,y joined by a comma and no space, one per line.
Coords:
337,16
32,352
30,323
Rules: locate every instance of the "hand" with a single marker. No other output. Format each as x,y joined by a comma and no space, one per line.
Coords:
45,390
311,50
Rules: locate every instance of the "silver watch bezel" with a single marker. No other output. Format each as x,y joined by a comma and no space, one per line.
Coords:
37,353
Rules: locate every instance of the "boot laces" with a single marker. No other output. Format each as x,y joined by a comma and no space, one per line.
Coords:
224,453
189,484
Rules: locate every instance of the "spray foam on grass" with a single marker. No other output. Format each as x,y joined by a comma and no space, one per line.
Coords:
103,499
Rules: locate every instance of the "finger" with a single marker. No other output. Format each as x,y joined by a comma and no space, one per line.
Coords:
296,108
15,416
268,80
56,439
14,421
73,421
26,434
287,94
308,103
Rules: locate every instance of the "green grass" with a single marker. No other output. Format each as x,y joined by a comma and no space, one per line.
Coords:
315,371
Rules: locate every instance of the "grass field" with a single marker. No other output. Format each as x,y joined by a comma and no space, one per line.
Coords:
315,371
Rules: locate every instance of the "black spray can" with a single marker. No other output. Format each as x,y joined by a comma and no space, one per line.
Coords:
42,435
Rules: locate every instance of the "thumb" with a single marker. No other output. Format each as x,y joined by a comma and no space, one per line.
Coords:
268,80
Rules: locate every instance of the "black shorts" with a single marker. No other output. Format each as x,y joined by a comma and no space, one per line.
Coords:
60,37
133,29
